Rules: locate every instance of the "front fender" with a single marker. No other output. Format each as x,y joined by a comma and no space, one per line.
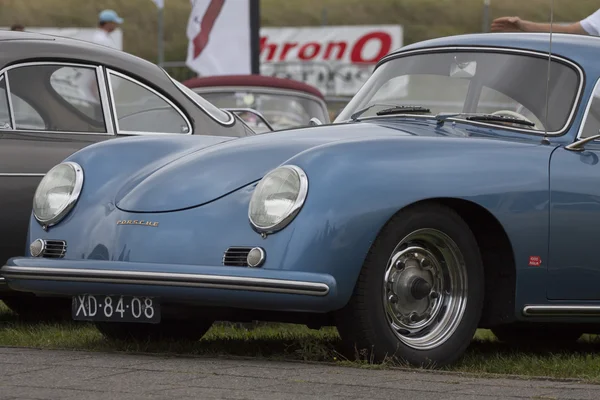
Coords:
355,187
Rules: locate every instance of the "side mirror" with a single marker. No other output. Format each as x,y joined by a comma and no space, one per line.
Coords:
579,145
314,121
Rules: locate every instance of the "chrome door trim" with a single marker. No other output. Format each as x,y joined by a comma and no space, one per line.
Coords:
561,310
103,91
34,63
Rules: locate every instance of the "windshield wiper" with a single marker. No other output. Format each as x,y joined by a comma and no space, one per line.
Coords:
485,117
392,110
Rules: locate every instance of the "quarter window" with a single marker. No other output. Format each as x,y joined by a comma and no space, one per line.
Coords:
591,125
4,110
141,110
56,98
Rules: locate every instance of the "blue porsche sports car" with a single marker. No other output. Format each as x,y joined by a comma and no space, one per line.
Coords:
460,188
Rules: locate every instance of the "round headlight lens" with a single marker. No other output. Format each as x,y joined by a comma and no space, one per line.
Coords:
277,198
57,193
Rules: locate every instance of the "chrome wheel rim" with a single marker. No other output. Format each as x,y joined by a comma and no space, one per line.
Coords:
425,289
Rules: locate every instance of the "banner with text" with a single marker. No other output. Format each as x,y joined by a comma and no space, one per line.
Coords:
335,59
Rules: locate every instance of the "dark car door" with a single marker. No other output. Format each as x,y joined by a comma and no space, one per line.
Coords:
47,112
573,264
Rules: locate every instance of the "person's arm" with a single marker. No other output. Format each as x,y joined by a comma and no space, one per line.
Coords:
516,24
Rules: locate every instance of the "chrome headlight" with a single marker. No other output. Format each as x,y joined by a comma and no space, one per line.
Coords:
57,193
278,198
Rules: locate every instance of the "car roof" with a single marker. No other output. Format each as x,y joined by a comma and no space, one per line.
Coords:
253,80
39,47
572,46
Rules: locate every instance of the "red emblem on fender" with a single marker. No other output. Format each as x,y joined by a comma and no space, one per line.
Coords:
535,261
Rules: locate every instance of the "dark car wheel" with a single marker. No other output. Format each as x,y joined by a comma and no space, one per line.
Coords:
536,334
165,330
40,309
419,295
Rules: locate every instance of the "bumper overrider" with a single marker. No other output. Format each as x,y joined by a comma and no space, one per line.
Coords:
199,285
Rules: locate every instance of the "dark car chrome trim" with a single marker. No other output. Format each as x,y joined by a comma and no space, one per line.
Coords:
19,174
109,130
104,98
561,310
181,87
136,82
167,279
11,111
508,50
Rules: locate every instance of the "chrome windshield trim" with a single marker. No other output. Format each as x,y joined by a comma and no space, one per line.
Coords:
587,110
136,82
506,50
167,279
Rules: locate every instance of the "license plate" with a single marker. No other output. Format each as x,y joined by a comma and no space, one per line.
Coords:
116,308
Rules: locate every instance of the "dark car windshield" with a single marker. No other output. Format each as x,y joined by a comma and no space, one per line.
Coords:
500,83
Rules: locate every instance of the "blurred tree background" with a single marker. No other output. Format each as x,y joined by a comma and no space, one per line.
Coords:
422,19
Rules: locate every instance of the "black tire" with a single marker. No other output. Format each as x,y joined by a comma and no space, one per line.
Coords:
39,309
165,330
363,323
536,334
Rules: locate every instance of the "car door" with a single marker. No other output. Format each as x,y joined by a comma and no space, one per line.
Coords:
573,264
49,111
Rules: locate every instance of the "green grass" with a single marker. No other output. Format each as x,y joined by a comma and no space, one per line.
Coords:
294,342
422,19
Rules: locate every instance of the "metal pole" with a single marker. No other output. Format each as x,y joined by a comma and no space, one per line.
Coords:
324,16
486,15
161,49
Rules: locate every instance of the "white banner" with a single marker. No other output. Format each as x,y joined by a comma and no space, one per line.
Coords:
219,37
335,59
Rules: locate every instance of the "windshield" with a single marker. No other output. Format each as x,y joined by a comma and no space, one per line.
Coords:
507,84
281,110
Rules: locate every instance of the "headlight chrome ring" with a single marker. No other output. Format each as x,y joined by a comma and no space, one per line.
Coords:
77,185
260,196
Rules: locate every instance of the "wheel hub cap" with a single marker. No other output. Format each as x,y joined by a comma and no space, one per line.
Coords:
425,289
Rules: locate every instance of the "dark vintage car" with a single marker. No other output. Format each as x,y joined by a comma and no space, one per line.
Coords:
58,95
459,188
285,103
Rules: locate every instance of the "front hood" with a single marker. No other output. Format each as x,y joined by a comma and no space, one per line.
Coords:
207,174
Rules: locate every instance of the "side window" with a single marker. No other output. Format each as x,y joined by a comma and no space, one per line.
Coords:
4,110
56,98
591,125
141,110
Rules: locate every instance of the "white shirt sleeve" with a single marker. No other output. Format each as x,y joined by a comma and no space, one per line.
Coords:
591,24
103,39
